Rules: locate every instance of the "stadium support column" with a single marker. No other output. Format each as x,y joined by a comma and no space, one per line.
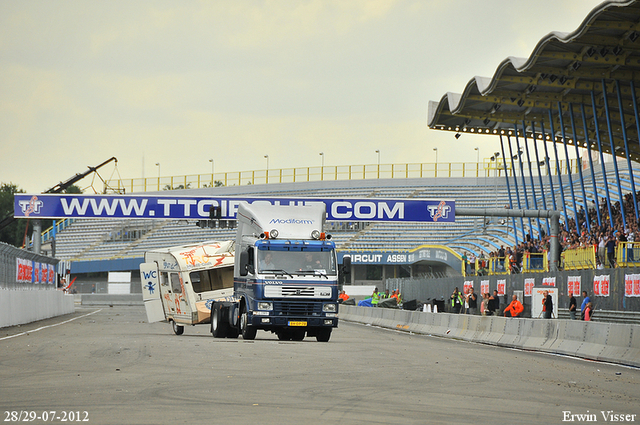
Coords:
548,163
533,186
604,171
593,174
579,162
37,236
566,155
613,151
524,183
558,170
635,110
626,151
515,182
506,177
535,148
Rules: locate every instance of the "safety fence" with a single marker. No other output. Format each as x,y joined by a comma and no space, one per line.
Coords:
28,284
531,263
611,342
486,168
610,289
579,258
20,269
626,254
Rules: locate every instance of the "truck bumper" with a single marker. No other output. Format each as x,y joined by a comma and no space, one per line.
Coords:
267,322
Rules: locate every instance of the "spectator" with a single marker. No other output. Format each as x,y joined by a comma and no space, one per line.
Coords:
573,305
588,312
514,309
456,301
343,297
375,297
494,304
585,300
547,305
485,305
472,301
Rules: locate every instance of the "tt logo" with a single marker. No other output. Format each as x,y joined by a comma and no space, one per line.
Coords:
439,211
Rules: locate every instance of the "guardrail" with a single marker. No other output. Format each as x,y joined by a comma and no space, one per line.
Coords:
487,168
611,342
579,258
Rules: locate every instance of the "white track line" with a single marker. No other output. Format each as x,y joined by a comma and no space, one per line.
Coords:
49,326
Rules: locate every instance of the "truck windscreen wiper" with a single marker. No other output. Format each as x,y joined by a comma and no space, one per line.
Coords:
277,271
313,272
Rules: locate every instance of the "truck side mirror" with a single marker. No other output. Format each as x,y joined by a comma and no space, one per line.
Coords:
346,265
244,262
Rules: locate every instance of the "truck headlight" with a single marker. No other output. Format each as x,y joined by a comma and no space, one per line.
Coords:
330,308
265,306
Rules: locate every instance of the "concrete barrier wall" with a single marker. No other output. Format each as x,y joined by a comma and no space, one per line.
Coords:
19,306
611,342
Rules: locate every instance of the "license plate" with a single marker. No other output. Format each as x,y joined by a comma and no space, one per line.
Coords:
297,323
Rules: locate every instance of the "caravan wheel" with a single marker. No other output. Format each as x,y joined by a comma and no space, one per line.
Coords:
177,329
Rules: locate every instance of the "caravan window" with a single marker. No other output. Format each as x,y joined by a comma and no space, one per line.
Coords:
176,288
212,279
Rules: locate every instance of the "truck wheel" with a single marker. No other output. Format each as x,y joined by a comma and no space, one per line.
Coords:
248,332
323,334
233,332
219,327
177,329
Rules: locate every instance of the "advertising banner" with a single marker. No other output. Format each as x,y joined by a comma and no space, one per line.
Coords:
601,285
632,285
573,285
529,283
194,207
549,281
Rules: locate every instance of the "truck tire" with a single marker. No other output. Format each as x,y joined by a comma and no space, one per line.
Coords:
177,329
233,332
248,332
323,334
219,327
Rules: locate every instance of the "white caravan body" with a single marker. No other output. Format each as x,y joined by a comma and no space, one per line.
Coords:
180,283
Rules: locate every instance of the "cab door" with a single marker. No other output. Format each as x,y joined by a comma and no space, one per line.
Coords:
149,278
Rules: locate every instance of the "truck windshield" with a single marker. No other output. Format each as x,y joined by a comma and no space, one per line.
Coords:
297,262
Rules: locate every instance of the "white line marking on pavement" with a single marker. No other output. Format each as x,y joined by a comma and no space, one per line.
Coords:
49,326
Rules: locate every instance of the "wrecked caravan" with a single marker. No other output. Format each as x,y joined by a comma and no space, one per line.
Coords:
180,283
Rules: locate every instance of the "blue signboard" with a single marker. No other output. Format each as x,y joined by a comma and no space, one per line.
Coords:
197,207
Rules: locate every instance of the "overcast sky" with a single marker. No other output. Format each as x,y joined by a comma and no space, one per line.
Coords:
181,82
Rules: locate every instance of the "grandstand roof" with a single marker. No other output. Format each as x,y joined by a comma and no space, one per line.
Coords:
563,68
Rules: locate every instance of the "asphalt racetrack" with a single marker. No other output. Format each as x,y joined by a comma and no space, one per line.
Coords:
106,365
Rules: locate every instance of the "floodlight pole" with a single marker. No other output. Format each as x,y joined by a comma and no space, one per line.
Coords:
554,216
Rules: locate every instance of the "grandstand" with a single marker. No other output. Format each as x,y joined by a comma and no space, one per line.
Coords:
88,240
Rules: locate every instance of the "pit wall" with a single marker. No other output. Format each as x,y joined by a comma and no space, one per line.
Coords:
25,306
610,342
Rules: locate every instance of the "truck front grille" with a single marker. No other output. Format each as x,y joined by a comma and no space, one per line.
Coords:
297,308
